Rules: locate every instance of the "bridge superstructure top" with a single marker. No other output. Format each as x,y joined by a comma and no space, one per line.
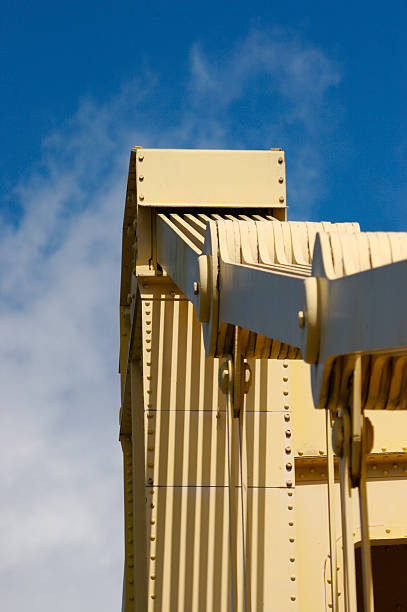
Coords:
212,225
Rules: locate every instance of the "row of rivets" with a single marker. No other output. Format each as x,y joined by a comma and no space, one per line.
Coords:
150,432
287,432
141,177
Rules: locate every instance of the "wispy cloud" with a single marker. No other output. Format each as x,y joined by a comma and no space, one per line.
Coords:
295,69
60,462
287,82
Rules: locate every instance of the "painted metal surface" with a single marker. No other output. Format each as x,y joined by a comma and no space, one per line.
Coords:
177,177
189,468
225,513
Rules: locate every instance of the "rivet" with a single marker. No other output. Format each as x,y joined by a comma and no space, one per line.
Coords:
286,406
148,363
281,179
148,312
286,417
291,540
148,349
152,522
196,287
147,304
152,577
292,597
140,157
141,177
300,453
153,596
301,319
152,506
290,493
285,393
152,557
292,578
329,581
290,523
289,466
285,365
280,160
329,605
288,449
387,530
321,452
292,559
384,449
150,415
289,483
152,538
285,378
290,507
288,433
141,197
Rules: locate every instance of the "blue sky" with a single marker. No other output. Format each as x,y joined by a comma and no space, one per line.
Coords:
56,54
81,83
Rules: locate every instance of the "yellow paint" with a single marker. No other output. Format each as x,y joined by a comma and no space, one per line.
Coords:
218,508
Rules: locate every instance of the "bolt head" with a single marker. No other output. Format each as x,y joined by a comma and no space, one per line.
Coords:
224,378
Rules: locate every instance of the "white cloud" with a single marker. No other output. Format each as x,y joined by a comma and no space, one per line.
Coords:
292,80
60,461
